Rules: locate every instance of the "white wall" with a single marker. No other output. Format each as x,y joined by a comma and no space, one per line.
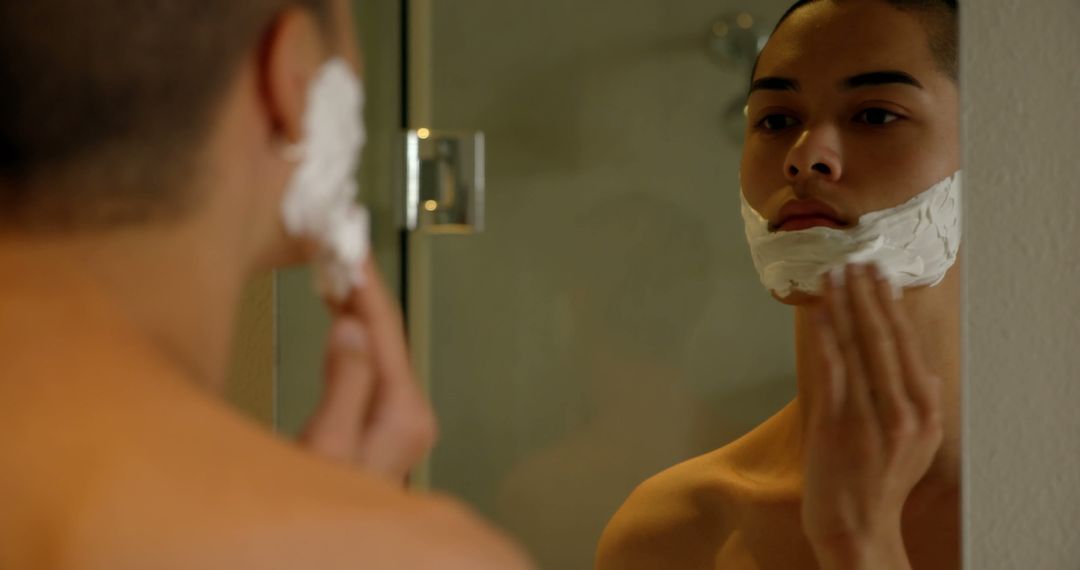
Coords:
1020,88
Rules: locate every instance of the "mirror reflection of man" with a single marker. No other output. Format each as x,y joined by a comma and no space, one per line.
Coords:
145,151
853,110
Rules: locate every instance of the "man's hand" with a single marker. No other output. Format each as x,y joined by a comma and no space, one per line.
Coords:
873,425
372,415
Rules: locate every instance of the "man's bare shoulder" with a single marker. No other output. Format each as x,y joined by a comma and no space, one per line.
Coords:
677,518
245,503
683,516
421,534
121,475
361,521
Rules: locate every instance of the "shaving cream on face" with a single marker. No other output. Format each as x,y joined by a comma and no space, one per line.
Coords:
914,244
320,202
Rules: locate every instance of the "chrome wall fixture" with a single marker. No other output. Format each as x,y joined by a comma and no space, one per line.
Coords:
444,181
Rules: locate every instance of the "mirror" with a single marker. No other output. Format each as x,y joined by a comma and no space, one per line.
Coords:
610,324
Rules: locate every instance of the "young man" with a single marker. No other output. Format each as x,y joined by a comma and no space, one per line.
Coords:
852,117
145,152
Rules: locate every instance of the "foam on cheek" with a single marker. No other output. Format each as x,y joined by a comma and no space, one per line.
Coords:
914,244
320,202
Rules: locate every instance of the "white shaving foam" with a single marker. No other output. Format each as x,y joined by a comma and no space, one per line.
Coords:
320,203
914,244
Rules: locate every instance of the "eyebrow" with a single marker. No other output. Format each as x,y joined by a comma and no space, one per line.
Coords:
880,78
873,78
774,84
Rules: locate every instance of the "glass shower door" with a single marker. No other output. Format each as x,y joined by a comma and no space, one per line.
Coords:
607,323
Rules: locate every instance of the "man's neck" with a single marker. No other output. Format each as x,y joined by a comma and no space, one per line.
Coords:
935,315
170,283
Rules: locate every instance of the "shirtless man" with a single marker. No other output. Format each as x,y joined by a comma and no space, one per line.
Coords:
143,161
853,105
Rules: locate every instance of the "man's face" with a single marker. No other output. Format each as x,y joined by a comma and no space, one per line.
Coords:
848,108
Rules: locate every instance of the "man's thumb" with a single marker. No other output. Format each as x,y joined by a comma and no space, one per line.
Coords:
335,428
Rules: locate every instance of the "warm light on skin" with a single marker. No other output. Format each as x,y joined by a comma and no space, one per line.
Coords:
818,118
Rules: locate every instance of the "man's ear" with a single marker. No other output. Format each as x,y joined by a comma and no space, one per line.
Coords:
291,54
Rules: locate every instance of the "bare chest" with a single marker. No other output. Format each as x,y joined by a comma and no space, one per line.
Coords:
776,542
766,543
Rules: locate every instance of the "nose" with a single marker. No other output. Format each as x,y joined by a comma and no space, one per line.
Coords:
815,154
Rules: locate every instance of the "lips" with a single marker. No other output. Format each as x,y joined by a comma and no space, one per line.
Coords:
808,213
797,223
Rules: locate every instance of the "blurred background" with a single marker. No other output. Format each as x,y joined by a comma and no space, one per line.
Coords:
606,322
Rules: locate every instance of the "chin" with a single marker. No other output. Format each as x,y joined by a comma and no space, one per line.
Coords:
798,299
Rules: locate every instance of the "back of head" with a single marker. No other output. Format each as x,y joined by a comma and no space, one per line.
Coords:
105,103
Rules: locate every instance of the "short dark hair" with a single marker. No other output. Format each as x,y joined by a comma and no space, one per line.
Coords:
940,19
103,104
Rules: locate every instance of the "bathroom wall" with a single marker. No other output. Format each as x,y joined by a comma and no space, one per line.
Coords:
1022,141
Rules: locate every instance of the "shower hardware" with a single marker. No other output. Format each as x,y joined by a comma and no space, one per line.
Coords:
733,44
444,181
735,40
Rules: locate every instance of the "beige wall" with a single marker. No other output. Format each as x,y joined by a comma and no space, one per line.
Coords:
1020,86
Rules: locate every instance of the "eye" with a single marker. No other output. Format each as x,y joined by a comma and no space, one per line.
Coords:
776,122
876,116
